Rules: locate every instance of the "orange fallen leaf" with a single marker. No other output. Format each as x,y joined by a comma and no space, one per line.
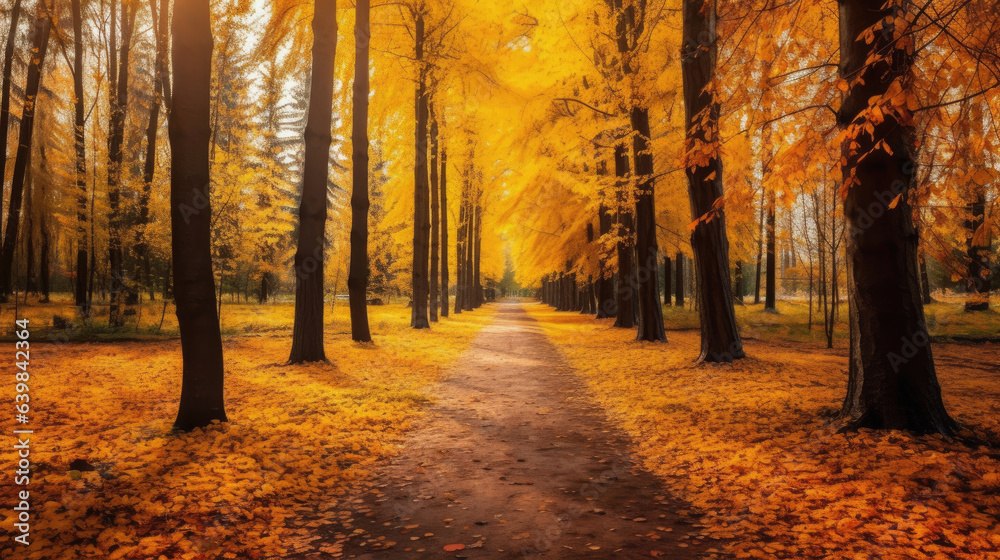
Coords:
454,547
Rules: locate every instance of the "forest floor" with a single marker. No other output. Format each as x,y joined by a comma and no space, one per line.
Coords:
509,430
752,446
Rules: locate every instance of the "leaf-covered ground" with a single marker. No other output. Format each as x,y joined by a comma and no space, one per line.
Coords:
272,482
749,447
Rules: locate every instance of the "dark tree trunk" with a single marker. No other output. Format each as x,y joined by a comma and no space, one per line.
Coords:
760,253
149,168
477,282
435,218
650,312
44,273
190,218
679,280
666,281
738,287
444,232
892,383
357,279
769,288
421,218
116,140
925,281
8,62
469,298
460,252
22,159
82,249
978,254
606,305
307,332
720,338
626,282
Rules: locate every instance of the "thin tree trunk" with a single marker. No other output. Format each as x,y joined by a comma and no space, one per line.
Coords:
679,280
82,250
770,279
667,295
925,281
421,218
469,300
357,280
444,231
738,288
892,383
307,332
626,317
477,283
22,159
435,218
650,327
460,251
202,394
978,253
8,62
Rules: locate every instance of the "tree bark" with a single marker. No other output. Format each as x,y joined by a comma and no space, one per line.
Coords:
978,253
421,218
625,318
770,274
202,388
469,299
307,332
679,280
444,231
116,140
666,282
720,338
22,159
435,218
460,251
738,287
892,383
8,62
357,279
606,305
925,281
82,249
650,326
477,282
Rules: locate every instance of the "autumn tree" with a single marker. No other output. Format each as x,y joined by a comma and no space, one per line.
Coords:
357,282
202,393
307,335
892,382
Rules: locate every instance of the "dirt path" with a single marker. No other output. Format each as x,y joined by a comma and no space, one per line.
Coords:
514,460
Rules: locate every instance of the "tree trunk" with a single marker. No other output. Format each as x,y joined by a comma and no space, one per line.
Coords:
738,282
307,332
667,295
720,338
769,298
460,251
22,159
44,273
892,383
469,300
978,253
149,168
650,326
435,218
421,218
190,218
444,231
357,279
477,282
116,140
679,280
625,318
82,249
925,281
8,61
605,285
760,253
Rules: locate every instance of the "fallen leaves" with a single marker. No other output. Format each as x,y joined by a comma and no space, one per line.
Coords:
748,447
